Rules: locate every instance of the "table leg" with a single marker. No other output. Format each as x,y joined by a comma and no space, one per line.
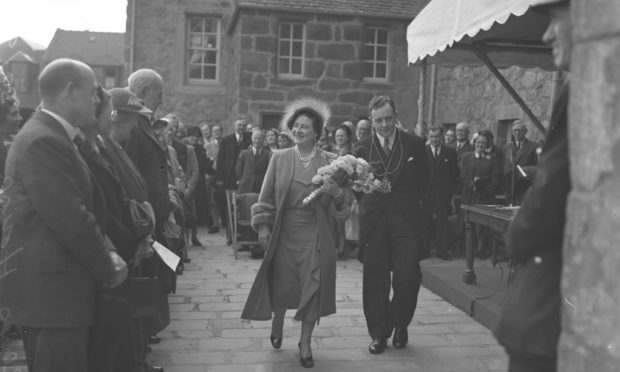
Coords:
469,276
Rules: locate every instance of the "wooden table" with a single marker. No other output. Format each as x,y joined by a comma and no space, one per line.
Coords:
495,217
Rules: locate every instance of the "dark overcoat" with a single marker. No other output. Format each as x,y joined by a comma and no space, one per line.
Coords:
53,252
251,170
227,159
530,320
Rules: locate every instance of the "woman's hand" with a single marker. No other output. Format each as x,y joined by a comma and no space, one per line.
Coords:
331,188
264,234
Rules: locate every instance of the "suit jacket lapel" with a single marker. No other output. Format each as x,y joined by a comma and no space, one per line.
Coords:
399,153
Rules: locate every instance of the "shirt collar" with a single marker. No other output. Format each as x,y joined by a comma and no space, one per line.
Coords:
390,137
72,131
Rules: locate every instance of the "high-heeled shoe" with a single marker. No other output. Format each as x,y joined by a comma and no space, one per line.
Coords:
276,342
307,362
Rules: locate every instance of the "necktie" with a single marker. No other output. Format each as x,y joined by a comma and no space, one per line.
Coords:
386,146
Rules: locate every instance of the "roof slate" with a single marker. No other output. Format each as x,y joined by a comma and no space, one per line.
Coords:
92,48
384,8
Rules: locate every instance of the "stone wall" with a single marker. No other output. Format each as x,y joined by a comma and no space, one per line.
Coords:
590,339
476,96
160,29
333,68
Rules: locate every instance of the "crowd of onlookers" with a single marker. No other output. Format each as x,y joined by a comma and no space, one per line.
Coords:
149,178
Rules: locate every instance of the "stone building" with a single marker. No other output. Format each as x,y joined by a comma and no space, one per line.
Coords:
474,95
220,59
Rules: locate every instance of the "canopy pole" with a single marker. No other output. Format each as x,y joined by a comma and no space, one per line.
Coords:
485,59
431,94
420,128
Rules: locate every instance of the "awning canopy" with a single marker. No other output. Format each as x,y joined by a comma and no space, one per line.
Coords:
451,32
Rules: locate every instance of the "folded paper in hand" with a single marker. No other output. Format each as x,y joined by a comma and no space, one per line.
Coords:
170,259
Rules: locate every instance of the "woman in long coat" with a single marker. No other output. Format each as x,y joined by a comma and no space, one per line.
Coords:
299,268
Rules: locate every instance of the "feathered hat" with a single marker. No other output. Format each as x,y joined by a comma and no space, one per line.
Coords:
308,106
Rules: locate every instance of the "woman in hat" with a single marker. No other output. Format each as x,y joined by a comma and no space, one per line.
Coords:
299,268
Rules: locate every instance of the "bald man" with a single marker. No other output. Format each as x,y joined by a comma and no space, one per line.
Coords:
522,152
55,253
362,129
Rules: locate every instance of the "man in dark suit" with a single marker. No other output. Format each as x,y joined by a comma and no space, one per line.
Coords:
54,254
529,325
225,172
462,146
443,173
391,226
521,152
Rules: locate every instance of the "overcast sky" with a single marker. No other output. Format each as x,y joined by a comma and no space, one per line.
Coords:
37,20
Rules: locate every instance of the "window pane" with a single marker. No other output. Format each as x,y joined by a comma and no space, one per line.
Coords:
369,35
285,49
194,72
296,66
382,37
369,53
381,53
210,25
211,41
297,49
195,56
368,69
285,30
298,31
381,71
195,40
208,72
211,57
195,24
284,67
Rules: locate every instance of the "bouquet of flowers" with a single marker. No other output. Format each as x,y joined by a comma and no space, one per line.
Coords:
344,169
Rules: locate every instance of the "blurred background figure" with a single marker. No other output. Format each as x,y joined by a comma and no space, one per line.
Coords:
519,152
271,139
285,140
449,139
362,129
10,120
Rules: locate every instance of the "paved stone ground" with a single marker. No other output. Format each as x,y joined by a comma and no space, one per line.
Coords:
206,333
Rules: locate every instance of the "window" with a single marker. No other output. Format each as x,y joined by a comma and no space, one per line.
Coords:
291,50
20,77
270,120
202,48
106,76
375,53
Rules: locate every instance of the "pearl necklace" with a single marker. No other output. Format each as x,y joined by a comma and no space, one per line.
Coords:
305,161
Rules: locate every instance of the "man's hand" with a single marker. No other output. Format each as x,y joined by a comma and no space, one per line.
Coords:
120,270
264,234
219,184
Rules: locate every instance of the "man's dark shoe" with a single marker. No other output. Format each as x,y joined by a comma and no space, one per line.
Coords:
401,337
214,230
377,346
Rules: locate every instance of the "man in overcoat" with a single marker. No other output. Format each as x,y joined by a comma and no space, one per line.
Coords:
54,254
529,325
391,226
521,152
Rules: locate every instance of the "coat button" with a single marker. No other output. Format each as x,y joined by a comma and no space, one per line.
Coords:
537,260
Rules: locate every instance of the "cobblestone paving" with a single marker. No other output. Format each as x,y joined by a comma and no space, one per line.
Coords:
206,333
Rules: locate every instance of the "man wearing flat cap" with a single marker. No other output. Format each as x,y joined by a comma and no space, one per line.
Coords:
529,325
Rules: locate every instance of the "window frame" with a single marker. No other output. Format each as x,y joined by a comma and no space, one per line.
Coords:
290,57
375,44
187,47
